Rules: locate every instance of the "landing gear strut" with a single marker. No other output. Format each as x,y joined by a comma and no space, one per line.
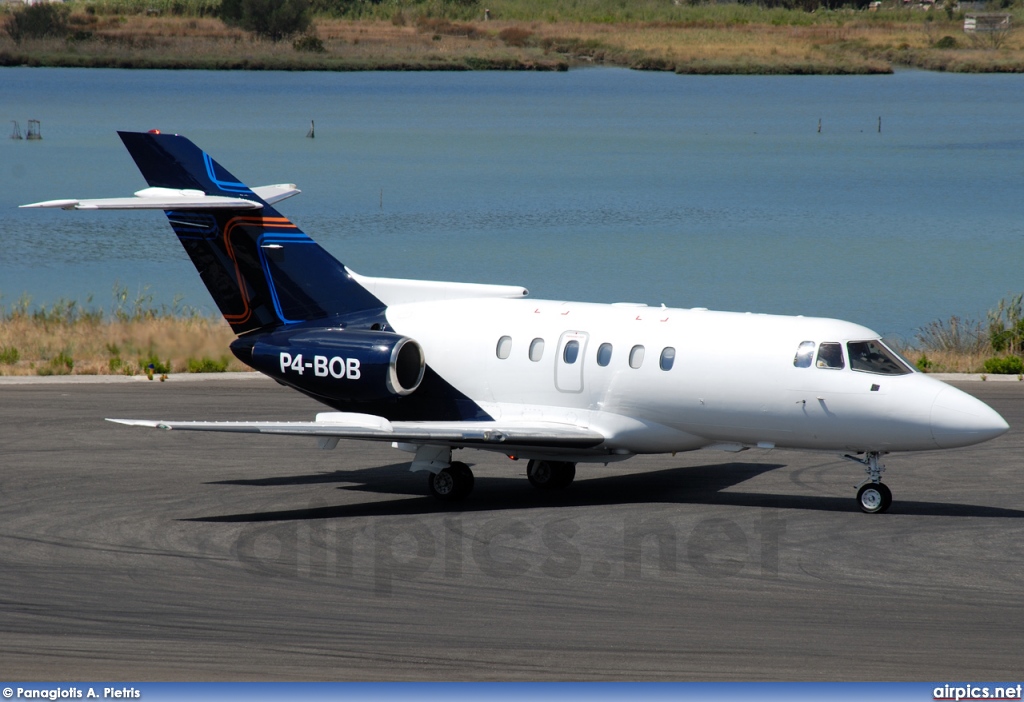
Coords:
873,496
452,483
550,475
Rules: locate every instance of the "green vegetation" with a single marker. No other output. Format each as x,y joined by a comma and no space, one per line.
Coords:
9,355
270,19
1005,365
38,21
207,365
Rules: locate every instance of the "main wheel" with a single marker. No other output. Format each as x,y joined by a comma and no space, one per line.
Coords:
874,498
550,475
465,481
564,475
452,483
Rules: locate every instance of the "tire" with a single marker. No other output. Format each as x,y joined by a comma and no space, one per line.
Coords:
540,474
874,498
452,483
565,473
550,475
465,479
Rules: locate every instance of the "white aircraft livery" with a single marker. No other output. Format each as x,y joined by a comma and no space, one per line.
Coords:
432,367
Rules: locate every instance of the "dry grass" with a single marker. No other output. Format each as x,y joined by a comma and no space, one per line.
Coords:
948,361
93,346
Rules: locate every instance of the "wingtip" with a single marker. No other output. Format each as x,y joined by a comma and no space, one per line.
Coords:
139,423
63,204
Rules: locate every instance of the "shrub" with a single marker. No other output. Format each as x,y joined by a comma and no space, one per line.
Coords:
272,19
44,19
946,42
924,364
155,364
1005,365
310,43
61,364
9,355
1006,325
515,36
207,365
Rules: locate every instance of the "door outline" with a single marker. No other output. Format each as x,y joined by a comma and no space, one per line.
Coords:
569,376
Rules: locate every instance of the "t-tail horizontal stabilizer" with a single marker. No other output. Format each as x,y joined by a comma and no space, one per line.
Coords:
262,271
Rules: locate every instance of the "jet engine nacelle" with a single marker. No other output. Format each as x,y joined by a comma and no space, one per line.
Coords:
355,365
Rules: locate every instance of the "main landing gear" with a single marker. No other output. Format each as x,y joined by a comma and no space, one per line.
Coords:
873,496
550,475
452,483
456,481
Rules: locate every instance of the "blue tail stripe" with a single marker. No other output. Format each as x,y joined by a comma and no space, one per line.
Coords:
228,186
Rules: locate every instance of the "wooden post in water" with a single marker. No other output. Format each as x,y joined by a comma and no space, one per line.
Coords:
311,134
879,124
819,125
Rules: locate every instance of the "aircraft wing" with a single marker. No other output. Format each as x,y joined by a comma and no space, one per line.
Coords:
345,425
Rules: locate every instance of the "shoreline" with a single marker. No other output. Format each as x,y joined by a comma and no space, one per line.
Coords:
713,43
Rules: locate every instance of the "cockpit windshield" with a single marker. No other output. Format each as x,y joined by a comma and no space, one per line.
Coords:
874,357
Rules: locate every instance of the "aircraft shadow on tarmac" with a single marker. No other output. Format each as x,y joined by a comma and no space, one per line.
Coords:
703,485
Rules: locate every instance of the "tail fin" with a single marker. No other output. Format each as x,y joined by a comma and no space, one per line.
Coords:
261,270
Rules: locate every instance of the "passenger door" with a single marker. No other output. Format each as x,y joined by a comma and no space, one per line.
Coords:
572,348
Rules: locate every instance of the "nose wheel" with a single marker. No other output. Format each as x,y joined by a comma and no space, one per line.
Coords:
873,496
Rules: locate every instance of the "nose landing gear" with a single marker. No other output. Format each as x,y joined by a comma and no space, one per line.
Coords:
873,496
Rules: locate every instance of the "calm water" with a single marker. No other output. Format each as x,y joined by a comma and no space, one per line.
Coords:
596,184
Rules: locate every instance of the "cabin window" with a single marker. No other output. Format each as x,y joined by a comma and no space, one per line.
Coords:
804,354
571,352
636,356
668,357
504,347
874,357
830,355
536,350
604,354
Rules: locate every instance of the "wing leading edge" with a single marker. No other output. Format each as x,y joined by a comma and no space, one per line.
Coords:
342,425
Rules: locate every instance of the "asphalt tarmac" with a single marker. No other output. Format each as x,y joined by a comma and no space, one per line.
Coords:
132,554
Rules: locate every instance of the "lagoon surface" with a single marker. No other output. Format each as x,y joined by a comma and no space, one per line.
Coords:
597,184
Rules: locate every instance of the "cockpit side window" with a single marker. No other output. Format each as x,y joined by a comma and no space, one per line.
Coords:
830,355
875,357
804,354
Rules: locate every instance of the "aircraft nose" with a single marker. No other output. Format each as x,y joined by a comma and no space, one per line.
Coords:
961,420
